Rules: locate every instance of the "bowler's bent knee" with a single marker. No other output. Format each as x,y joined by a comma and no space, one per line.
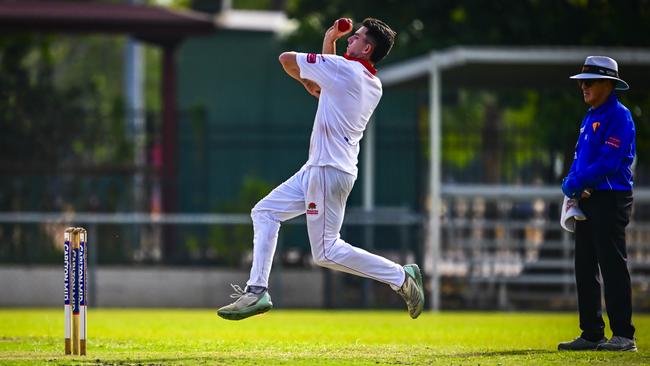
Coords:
321,254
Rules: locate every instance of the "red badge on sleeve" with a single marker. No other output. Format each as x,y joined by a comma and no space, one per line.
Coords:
311,58
613,142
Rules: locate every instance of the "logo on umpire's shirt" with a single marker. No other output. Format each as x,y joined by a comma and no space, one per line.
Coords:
311,209
614,142
311,58
595,126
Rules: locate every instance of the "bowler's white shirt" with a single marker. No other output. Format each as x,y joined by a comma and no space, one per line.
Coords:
349,95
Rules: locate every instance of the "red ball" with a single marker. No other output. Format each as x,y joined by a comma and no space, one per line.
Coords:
344,25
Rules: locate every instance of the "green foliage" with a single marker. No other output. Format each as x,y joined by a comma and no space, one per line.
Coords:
530,131
34,110
425,25
58,114
231,242
252,4
152,78
68,119
290,337
461,123
639,106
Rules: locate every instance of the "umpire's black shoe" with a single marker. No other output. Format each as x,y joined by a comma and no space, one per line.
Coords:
618,343
580,344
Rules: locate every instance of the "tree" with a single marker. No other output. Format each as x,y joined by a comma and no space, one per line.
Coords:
425,25
49,125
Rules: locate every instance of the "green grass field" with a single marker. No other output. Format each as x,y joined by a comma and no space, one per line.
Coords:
286,337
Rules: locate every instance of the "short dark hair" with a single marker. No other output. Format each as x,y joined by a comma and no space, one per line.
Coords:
381,36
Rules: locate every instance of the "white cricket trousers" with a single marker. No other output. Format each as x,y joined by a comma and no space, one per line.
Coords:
321,192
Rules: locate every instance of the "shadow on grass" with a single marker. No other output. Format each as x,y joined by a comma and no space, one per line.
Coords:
514,352
156,361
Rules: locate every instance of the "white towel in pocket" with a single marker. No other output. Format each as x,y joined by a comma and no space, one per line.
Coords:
570,213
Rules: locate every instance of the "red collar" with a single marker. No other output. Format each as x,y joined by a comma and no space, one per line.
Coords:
365,63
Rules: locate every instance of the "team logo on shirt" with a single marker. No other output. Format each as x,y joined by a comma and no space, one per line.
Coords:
595,126
311,209
614,142
311,58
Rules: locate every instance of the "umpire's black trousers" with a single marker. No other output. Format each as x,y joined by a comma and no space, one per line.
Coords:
600,241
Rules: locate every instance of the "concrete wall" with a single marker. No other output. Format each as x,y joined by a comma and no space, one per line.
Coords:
155,286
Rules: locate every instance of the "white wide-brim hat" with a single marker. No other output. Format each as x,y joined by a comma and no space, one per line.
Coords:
601,67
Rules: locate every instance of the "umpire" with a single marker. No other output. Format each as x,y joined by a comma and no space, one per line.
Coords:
602,165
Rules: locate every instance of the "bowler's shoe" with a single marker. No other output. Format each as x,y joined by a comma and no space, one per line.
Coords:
246,305
618,343
412,290
580,344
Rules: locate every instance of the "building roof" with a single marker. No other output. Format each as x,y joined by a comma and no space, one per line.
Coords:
149,23
255,20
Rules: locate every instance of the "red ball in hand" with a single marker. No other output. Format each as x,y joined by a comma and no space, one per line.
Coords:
344,24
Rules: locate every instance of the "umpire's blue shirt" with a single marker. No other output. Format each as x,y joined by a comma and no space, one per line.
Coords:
605,150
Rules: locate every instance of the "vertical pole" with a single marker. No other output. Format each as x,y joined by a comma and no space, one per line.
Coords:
169,125
432,251
133,88
83,288
75,291
169,150
92,258
368,201
135,114
369,166
66,289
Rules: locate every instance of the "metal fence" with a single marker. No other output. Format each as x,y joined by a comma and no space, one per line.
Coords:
140,241
501,247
